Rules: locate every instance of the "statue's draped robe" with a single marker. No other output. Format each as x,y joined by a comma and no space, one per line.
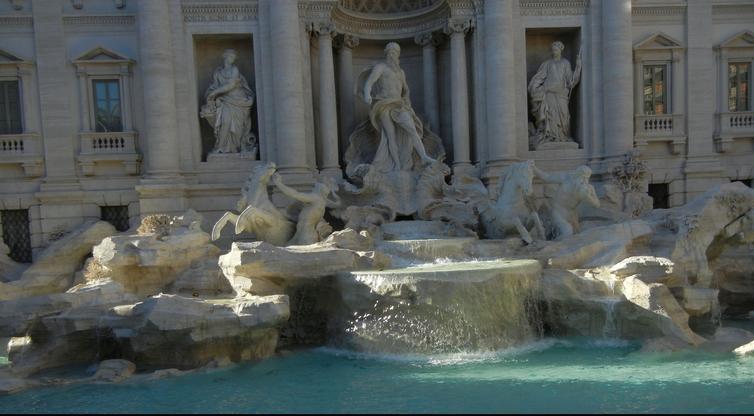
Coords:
550,90
233,117
399,155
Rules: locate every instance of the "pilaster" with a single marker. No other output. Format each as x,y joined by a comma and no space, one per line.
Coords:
429,42
347,118
703,168
617,76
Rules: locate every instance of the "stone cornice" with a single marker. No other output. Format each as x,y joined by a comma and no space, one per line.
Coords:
220,11
553,7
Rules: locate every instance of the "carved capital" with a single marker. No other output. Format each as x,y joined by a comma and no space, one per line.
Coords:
427,39
322,28
457,25
350,41
346,41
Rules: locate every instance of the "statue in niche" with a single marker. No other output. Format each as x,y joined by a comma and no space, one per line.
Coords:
549,91
573,190
258,215
228,108
387,152
400,135
311,226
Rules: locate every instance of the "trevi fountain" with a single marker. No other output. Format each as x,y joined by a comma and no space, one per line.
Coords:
377,206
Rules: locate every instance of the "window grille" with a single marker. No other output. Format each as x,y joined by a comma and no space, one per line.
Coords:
116,215
16,234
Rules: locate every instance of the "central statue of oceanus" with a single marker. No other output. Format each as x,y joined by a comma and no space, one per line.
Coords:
394,138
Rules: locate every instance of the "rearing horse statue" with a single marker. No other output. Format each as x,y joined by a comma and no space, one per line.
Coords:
513,209
258,215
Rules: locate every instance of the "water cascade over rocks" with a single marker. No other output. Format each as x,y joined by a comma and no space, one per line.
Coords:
453,307
165,297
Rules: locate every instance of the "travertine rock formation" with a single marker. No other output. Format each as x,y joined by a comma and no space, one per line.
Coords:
53,270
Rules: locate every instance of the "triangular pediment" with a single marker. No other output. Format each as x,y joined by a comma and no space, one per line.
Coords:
101,54
743,39
7,57
659,40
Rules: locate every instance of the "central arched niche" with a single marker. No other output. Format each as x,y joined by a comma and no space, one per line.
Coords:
386,6
377,22
389,19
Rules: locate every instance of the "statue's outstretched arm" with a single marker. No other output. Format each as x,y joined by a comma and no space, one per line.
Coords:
547,177
292,193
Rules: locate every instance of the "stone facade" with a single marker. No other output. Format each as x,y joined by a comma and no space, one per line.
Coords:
467,64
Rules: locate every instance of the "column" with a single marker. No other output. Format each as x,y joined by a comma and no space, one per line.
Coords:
428,42
617,77
288,87
459,92
345,89
160,129
500,82
328,116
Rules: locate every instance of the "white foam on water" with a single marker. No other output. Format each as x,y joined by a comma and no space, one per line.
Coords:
468,357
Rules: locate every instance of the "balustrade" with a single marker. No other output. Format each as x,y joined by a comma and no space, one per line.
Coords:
731,126
108,146
24,150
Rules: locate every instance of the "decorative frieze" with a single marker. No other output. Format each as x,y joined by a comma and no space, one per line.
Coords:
220,12
99,20
553,7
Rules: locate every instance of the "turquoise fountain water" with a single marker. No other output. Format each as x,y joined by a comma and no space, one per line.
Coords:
547,376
